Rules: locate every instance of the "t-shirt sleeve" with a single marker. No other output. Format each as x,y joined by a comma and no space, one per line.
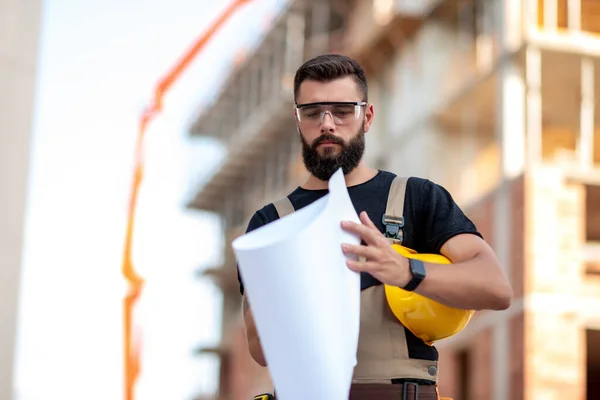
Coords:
442,217
258,219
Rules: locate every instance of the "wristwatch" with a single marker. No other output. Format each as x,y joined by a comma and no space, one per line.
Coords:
417,268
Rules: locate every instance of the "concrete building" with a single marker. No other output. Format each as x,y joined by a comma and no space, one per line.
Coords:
494,100
19,31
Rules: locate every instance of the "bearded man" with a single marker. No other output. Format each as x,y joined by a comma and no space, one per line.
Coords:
333,115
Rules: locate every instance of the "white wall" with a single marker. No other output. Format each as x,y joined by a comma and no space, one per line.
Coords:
19,29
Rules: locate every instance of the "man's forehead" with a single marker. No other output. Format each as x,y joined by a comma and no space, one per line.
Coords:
342,89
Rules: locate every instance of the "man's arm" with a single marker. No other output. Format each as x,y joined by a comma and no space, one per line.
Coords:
260,218
474,281
251,334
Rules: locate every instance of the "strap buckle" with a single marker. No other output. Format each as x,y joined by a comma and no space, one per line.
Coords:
405,391
393,227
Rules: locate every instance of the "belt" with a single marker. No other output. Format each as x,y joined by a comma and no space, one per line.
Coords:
382,391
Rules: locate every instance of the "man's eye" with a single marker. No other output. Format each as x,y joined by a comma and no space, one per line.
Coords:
342,113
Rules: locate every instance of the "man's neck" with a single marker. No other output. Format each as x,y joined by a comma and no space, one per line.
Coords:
360,174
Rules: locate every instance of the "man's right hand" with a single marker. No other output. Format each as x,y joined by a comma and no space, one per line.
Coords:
252,334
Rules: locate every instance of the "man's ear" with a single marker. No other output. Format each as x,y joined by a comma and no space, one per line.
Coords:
369,114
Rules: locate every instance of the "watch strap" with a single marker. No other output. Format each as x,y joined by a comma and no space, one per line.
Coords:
417,268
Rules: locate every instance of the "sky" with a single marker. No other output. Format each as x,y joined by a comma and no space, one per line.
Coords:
98,64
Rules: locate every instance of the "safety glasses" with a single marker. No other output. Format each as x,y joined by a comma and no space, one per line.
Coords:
342,113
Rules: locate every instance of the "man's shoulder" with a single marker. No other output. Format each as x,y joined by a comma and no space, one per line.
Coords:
418,189
261,217
412,182
268,213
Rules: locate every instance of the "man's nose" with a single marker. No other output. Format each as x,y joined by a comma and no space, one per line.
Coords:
327,124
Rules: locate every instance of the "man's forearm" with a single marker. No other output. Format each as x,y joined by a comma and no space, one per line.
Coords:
254,345
469,284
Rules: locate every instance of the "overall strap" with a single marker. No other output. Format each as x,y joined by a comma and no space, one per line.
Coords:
284,207
393,219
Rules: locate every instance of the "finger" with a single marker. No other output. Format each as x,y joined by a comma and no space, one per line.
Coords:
358,266
364,217
368,234
370,253
379,239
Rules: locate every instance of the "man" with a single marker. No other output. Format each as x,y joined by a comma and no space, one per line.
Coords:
333,115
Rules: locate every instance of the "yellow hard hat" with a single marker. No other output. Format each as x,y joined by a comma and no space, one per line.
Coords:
425,318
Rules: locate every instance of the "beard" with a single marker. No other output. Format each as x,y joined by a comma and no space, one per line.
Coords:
323,166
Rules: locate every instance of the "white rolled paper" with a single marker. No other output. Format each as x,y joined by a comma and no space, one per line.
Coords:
304,298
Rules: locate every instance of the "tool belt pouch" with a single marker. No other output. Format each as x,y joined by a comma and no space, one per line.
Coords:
265,396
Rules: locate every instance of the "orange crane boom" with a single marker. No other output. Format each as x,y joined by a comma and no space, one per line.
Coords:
134,280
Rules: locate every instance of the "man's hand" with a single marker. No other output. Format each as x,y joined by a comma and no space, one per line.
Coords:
475,280
381,260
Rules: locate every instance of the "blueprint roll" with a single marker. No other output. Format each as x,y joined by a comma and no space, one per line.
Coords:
308,327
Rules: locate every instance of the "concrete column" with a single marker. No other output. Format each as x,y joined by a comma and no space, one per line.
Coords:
574,15
294,49
531,15
510,117
468,151
244,108
19,30
533,61
255,84
585,144
265,66
550,14
276,51
319,40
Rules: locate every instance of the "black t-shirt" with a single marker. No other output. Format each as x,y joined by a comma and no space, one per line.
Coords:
431,218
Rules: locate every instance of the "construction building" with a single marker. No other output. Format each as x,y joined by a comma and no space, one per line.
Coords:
493,99
19,37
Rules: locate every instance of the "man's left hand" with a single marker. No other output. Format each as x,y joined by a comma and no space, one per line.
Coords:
381,260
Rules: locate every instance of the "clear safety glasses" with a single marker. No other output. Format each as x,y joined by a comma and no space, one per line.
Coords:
342,113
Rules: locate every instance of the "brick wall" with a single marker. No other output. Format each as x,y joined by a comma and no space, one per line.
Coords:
477,343
482,215
480,366
555,351
517,235
476,363
477,347
516,359
449,374
245,377
516,325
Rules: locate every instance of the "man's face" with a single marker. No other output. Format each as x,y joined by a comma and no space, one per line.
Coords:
332,135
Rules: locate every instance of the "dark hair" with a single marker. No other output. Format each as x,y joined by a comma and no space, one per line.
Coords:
327,67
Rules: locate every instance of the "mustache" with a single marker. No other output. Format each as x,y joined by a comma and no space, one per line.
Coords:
328,138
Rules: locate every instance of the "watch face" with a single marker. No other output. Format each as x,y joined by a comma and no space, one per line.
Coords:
417,268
